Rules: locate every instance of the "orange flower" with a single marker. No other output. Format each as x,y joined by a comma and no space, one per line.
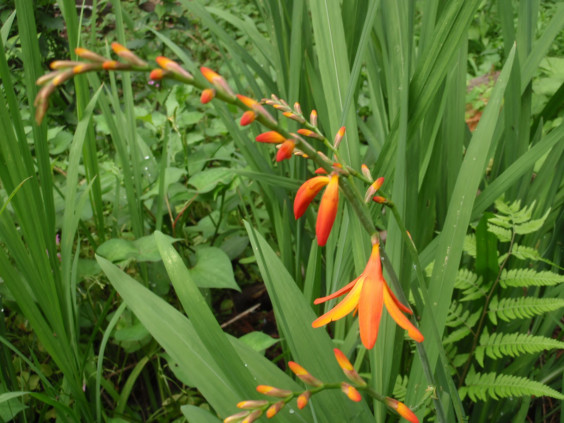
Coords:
368,294
327,208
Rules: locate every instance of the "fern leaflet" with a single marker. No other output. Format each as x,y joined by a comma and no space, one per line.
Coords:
521,308
529,277
482,386
498,345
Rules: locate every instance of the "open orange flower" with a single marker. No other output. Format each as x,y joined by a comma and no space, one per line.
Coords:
368,294
327,208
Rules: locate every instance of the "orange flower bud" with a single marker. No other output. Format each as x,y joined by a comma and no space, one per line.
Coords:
366,172
313,118
216,79
274,409
273,392
402,410
63,64
309,133
247,101
327,211
271,137
320,171
293,116
373,188
303,399
379,199
248,117
303,374
252,417
251,404
89,55
297,108
207,95
172,66
236,417
62,77
348,368
46,78
114,65
351,392
307,193
339,137
158,74
285,150
127,55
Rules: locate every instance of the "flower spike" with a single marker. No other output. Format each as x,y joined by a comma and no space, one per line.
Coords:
369,293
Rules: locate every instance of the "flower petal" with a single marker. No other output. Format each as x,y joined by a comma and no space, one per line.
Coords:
370,310
336,294
327,211
307,193
347,305
400,318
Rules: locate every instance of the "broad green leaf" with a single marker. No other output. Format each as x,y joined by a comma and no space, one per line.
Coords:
258,341
213,269
208,179
198,414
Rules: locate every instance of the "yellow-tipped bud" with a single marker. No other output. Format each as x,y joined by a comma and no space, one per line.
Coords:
63,64
158,74
293,116
348,368
46,78
251,404
273,392
313,118
127,55
236,417
402,409
303,374
297,108
366,172
217,80
351,392
89,55
309,133
62,77
339,137
252,417
172,66
303,399
274,409
115,65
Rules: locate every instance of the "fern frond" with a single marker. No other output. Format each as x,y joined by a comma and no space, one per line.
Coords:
529,277
531,225
470,284
400,388
521,308
499,345
483,386
504,235
522,252
470,245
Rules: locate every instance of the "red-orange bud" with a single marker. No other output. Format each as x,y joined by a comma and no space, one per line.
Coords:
307,193
327,211
339,137
157,74
402,409
247,118
313,118
207,95
247,101
320,171
271,137
274,409
379,199
285,151
348,368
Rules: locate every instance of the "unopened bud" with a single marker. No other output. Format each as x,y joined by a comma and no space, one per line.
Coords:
304,375
127,55
89,55
285,151
351,392
313,118
252,417
217,80
297,108
309,133
348,368
402,409
339,137
207,95
236,417
273,392
251,404
247,118
366,172
303,399
172,66
274,409
158,74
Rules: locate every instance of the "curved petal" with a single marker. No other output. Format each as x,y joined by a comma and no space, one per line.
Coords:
307,193
400,318
403,308
348,304
336,294
327,211
370,310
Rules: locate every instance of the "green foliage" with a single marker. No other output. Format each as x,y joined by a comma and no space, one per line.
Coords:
521,308
480,386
